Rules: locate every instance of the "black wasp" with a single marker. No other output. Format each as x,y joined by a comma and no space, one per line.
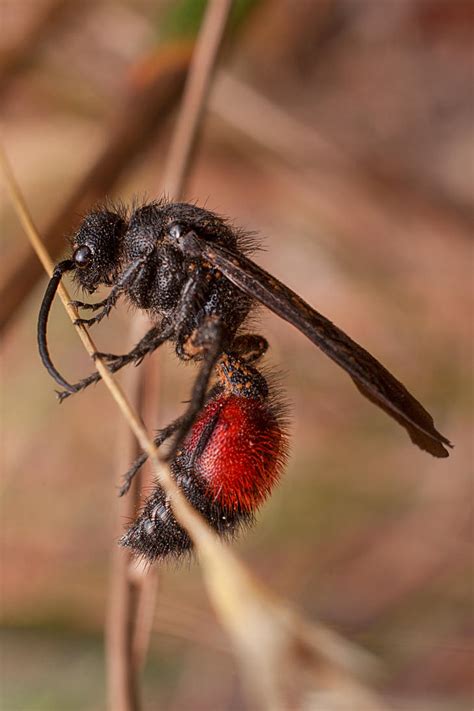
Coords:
189,269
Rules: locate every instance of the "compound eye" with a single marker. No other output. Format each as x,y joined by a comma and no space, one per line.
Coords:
82,256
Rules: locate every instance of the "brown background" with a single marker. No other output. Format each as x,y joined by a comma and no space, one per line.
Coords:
341,131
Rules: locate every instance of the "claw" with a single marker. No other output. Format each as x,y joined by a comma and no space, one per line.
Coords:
102,314
63,394
80,305
91,307
90,321
109,357
124,488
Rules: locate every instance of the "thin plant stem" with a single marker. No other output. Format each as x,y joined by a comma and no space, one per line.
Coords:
116,391
269,638
133,591
195,96
192,521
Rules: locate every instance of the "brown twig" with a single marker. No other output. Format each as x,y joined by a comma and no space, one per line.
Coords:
124,696
48,265
180,505
43,256
178,166
148,399
286,660
133,592
126,632
195,96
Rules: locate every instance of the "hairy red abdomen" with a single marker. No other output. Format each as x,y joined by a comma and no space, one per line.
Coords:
244,453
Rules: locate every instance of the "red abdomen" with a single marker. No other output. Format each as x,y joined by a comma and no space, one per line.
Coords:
239,447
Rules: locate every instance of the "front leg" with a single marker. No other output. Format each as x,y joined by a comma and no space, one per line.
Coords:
124,281
149,343
103,307
152,340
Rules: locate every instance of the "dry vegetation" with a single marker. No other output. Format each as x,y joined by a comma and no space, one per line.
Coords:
342,131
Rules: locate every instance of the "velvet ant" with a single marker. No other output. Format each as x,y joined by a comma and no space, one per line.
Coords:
190,270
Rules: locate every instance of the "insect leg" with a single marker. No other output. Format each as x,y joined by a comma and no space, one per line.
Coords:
104,307
160,438
180,314
152,340
208,341
91,307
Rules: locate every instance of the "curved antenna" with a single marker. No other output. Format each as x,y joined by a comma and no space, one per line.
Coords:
48,299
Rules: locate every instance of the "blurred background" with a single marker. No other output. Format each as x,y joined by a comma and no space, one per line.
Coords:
341,131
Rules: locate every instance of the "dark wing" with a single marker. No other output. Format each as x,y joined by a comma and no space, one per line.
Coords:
371,378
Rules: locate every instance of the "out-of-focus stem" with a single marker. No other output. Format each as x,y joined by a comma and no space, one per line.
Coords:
195,96
133,590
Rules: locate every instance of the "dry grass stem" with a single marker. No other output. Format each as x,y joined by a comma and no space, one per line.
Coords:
265,632
116,391
134,589
26,221
287,661
195,96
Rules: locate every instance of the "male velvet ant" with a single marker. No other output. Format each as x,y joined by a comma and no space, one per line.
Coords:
189,269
